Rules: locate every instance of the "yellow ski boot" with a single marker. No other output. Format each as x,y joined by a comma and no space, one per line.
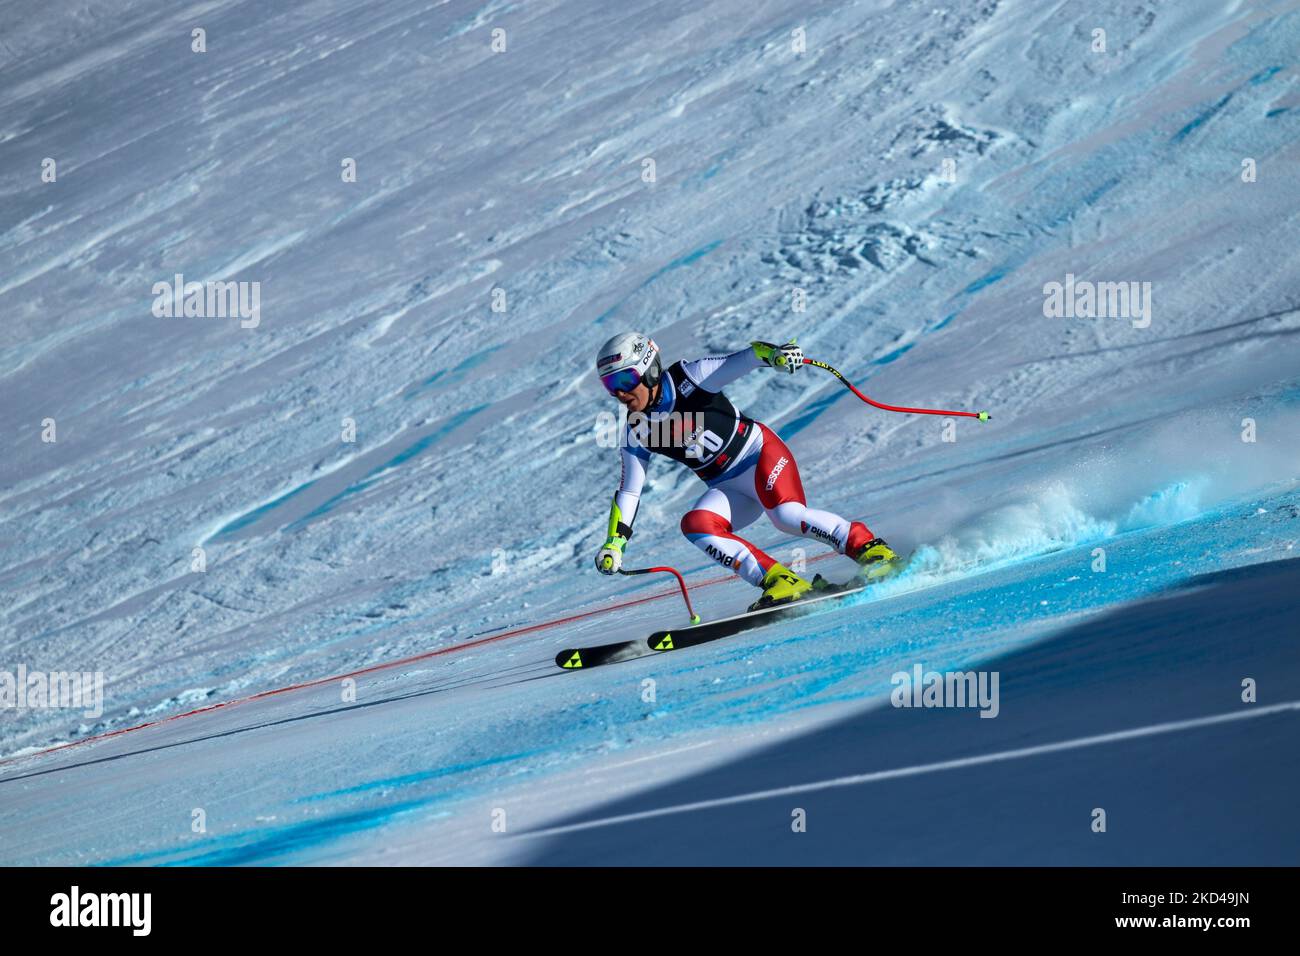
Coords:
876,559
780,586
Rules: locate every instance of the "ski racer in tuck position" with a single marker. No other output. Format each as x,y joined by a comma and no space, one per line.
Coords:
746,468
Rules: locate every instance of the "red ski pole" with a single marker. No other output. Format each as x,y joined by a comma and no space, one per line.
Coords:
695,618
982,416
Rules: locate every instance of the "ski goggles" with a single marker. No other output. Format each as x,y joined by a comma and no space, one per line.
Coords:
624,380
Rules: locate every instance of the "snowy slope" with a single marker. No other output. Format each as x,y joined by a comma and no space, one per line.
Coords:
474,496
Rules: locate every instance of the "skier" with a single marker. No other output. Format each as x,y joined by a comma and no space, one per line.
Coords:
746,467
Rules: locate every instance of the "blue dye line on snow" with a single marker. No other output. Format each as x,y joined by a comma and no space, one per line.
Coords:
1096,194
405,455
240,849
1201,120
244,520
987,280
689,258
245,848
894,355
405,780
717,165
475,360
798,424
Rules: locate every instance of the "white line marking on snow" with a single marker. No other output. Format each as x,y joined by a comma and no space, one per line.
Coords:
1150,730
655,756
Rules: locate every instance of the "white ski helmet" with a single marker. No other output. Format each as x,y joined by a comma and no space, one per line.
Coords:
627,360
